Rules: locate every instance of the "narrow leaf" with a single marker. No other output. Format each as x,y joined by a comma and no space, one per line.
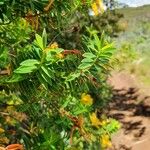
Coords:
39,41
72,76
87,60
29,62
89,55
44,37
84,66
25,69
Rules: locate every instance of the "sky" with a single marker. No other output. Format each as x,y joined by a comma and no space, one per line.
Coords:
135,3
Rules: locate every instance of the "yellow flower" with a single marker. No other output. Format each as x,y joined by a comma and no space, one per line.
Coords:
105,141
94,120
105,122
86,99
100,5
95,8
53,45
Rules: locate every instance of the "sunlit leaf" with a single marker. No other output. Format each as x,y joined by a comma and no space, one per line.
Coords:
25,69
39,41
29,62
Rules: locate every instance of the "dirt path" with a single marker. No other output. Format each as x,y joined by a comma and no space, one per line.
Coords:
131,107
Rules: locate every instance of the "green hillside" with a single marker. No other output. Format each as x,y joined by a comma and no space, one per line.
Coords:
137,12
137,22
135,41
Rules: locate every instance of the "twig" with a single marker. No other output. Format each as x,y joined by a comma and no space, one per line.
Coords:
47,8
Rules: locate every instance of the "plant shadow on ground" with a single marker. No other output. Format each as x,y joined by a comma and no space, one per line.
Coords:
130,109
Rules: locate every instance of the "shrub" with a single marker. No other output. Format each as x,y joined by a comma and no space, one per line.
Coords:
47,99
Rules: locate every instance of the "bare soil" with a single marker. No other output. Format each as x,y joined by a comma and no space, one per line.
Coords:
131,106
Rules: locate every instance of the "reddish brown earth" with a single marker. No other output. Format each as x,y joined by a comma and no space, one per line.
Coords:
131,106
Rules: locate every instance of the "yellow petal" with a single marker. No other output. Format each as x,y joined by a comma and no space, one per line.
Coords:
60,56
94,120
95,9
105,141
86,99
53,45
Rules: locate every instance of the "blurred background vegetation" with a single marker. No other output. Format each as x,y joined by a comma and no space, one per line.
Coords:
133,44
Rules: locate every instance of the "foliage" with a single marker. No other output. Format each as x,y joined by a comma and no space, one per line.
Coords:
125,55
47,96
107,22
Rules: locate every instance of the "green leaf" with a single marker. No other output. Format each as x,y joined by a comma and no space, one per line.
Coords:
30,62
89,55
46,71
2,49
84,66
39,41
37,52
25,69
16,78
97,41
80,110
72,76
92,47
1,3
42,80
45,74
87,60
109,46
65,104
44,37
